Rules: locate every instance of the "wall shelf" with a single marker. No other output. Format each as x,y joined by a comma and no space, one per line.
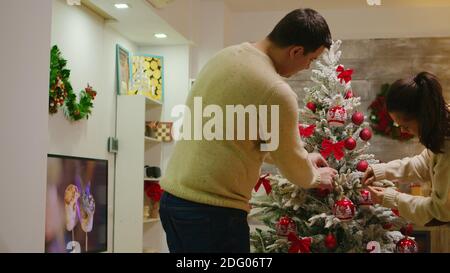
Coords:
151,139
152,102
151,220
133,233
152,179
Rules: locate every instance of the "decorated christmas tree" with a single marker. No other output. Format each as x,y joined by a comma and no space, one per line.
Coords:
339,220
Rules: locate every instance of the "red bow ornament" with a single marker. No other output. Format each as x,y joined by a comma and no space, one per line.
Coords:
329,147
306,131
263,180
344,75
299,245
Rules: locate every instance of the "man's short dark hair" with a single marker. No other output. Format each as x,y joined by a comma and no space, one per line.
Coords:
302,27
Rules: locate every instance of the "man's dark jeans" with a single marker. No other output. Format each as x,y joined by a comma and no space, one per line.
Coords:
200,228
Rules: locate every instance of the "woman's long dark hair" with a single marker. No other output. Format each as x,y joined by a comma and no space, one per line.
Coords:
421,98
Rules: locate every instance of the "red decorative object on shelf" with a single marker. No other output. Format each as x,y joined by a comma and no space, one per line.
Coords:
153,191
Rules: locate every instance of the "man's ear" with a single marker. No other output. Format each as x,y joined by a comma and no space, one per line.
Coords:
296,51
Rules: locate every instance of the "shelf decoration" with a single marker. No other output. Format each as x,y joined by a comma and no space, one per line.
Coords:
61,93
154,192
159,130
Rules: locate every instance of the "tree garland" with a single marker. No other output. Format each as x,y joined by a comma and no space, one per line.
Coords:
380,120
61,92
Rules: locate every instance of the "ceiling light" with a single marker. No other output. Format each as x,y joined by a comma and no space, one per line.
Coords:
374,2
73,2
160,35
121,6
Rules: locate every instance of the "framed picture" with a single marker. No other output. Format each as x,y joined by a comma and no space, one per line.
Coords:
123,71
147,76
76,207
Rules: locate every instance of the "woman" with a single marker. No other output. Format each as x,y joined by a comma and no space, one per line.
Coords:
418,107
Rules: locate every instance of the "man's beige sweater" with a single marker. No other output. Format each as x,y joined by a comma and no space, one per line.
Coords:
224,172
426,167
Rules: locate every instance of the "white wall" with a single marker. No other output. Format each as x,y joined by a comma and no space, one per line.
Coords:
176,79
365,23
214,26
90,49
25,55
211,30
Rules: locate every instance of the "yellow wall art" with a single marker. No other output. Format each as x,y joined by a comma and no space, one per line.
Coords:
147,77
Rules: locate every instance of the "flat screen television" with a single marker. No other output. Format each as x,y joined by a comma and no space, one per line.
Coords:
76,204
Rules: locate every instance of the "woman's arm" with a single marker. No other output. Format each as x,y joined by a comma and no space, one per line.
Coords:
409,169
419,209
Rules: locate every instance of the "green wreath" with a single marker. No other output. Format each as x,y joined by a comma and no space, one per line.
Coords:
61,93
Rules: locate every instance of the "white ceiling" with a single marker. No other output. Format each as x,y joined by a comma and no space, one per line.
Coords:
282,5
139,23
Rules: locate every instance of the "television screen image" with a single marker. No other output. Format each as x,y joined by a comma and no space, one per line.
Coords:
76,205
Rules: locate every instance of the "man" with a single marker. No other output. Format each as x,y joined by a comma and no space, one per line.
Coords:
208,183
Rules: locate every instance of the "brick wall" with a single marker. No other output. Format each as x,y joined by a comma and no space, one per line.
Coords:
379,61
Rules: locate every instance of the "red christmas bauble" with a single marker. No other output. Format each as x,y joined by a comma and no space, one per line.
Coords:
322,193
365,200
407,230
396,212
387,226
337,116
365,134
348,94
330,241
406,245
350,143
344,209
362,166
358,118
311,106
285,226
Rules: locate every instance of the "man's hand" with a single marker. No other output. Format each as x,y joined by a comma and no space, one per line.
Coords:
369,177
377,194
317,160
326,177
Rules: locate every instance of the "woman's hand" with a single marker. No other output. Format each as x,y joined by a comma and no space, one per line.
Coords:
369,177
377,194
